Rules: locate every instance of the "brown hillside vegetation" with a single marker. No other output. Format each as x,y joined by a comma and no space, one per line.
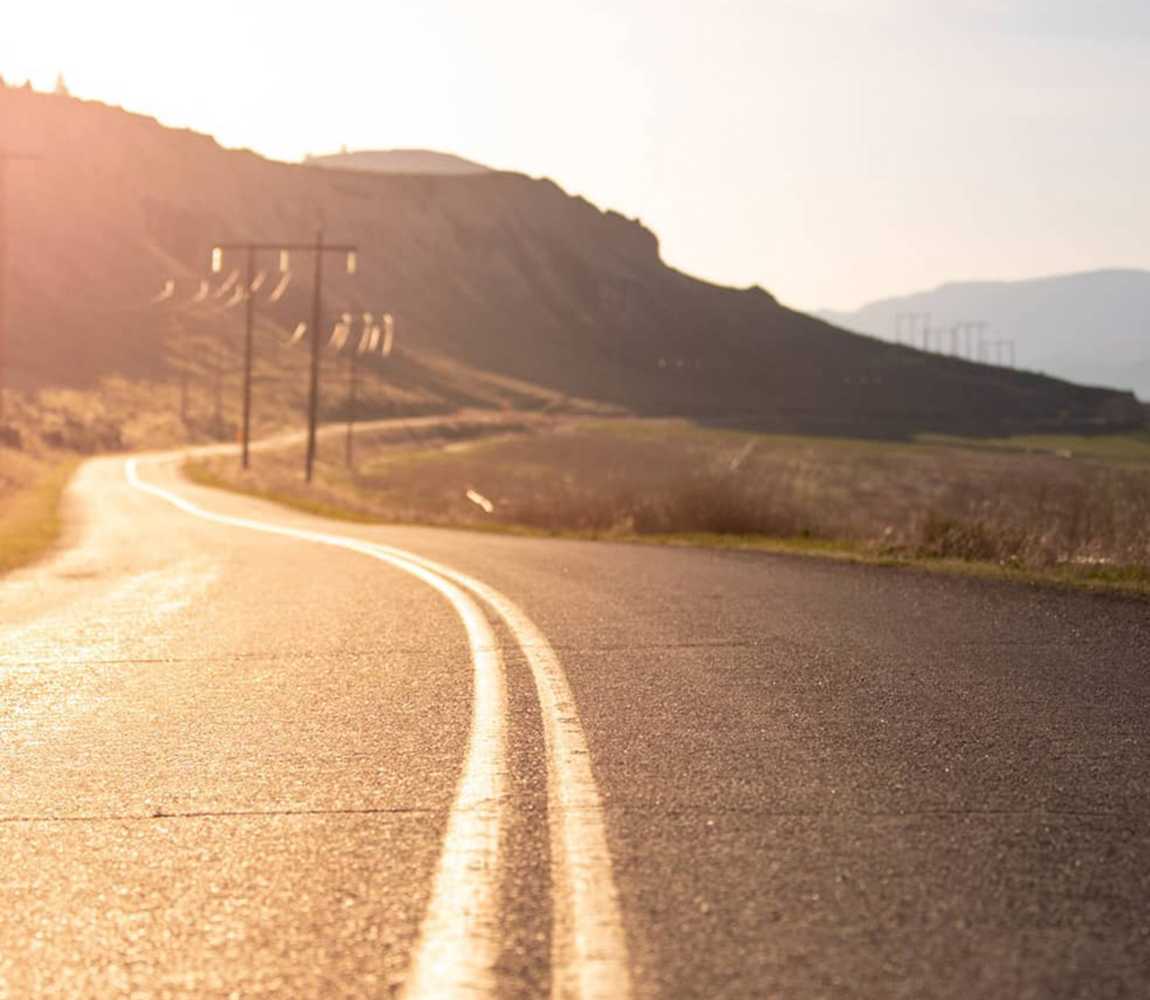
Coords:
507,291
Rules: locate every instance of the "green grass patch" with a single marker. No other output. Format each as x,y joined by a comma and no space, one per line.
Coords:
1130,448
1131,581
30,521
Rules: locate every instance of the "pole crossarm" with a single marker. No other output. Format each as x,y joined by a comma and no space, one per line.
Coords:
291,247
250,249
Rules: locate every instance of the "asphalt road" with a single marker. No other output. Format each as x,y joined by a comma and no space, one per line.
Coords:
245,763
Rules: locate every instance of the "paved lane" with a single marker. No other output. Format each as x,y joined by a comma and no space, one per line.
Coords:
843,781
233,759
220,766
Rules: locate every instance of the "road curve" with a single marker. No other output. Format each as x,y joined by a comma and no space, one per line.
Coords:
250,752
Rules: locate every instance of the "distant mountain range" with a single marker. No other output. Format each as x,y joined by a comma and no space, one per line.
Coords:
400,161
1092,328
506,290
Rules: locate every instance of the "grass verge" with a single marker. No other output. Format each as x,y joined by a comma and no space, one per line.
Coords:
1133,581
30,521
341,501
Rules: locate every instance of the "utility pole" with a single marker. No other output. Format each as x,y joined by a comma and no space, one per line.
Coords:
249,289
184,396
179,328
356,349
218,394
352,358
979,327
968,339
373,336
317,317
249,318
313,369
6,157
911,320
283,249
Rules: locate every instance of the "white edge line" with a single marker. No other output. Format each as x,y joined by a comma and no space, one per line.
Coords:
459,941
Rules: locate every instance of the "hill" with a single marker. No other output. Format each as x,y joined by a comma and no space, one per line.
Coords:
1092,327
507,291
400,161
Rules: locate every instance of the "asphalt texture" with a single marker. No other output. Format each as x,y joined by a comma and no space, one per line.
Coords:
229,760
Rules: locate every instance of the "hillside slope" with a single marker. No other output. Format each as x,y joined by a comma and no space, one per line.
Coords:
494,273
1092,327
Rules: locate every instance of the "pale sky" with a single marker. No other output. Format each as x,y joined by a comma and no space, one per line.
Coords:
832,151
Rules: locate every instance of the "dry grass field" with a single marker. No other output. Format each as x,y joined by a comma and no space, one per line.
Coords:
30,491
1071,508
44,435
46,431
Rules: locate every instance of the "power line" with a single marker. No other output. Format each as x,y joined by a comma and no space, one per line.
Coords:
319,248
371,336
375,337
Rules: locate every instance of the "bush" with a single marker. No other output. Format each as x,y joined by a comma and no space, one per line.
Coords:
949,538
